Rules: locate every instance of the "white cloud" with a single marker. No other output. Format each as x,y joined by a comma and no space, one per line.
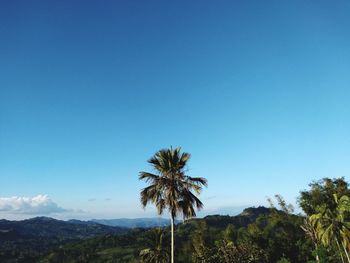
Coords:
37,205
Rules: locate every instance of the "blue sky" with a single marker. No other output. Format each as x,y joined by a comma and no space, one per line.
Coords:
257,91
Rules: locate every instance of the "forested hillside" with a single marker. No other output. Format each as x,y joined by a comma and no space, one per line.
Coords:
261,230
257,235
26,240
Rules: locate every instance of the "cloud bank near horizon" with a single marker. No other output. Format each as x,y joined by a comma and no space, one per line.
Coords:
41,204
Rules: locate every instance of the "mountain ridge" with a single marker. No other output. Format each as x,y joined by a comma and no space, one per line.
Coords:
35,237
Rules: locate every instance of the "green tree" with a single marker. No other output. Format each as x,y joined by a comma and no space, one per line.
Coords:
227,252
170,188
333,224
311,232
321,193
230,233
243,252
155,253
283,260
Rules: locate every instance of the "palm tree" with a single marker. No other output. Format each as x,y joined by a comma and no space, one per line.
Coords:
155,253
334,225
311,232
170,188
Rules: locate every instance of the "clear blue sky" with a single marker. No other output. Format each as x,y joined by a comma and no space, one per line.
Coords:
257,91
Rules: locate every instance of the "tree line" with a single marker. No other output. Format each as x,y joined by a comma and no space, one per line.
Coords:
326,223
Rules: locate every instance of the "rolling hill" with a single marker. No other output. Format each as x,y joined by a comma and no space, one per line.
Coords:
28,239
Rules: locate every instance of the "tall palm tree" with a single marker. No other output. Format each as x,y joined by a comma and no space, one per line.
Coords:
170,188
334,224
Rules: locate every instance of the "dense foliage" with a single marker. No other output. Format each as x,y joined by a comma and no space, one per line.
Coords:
26,240
258,235
327,206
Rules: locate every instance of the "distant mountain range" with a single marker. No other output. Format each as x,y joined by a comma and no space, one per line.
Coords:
28,240
262,223
48,227
133,223
35,236
128,222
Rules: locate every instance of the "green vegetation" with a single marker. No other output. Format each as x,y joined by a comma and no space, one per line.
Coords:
271,235
258,235
327,206
25,241
155,252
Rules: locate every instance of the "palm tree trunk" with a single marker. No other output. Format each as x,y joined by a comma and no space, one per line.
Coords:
317,257
346,252
172,239
341,254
